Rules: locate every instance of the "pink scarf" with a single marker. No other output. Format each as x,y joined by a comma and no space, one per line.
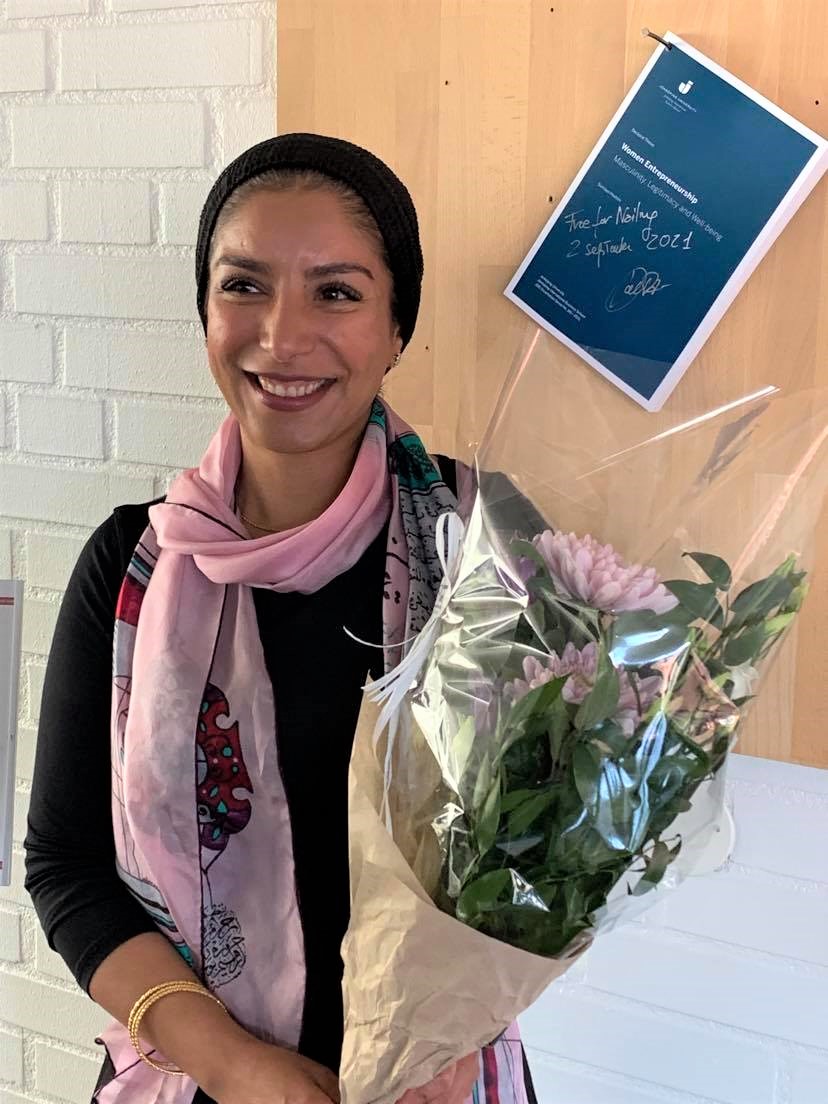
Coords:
192,695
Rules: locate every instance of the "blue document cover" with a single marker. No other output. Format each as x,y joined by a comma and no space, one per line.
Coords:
684,193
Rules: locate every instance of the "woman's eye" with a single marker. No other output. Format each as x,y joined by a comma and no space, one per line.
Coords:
339,293
239,284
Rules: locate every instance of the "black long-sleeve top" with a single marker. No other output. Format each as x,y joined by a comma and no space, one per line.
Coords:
317,671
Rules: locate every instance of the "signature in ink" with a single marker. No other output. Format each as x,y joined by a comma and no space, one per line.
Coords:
640,283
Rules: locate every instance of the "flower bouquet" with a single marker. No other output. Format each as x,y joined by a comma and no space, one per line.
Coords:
547,758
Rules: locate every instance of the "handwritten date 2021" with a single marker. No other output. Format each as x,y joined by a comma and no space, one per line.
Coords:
591,244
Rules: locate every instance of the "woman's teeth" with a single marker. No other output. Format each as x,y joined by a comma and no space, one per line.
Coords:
290,391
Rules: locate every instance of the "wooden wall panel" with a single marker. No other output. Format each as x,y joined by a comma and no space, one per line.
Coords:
487,109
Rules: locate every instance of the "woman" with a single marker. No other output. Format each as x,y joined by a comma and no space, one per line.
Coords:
312,510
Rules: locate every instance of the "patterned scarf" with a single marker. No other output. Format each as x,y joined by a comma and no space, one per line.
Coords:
201,823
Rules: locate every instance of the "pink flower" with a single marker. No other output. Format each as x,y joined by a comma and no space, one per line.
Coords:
580,666
595,575
701,708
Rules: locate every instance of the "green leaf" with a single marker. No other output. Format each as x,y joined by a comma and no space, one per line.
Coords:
528,551
756,601
714,567
537,701
798,596
699,599
529,811
602,700
482,895
461,748
745,646
587,769
560,725
482,783
511,800
611,735
486,827
642,636
778,624
657,863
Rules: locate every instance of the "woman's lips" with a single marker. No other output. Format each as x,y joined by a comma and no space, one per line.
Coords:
289,402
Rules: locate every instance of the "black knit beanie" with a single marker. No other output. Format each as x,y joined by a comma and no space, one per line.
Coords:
384,194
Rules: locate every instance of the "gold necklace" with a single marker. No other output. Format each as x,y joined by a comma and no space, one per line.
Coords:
263,528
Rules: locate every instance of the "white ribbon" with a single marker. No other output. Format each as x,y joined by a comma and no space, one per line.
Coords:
390,690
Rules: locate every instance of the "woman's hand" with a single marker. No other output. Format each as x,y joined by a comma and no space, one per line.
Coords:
258,1073
453,1086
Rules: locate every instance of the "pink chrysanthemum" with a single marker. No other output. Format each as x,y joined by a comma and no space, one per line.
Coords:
580,666
595,575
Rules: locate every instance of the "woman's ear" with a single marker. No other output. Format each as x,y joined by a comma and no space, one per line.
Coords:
398,347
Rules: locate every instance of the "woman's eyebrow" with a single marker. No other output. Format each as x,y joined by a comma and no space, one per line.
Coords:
334,268
337,268
237,260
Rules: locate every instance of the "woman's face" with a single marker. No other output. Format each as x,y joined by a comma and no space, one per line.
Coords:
299,328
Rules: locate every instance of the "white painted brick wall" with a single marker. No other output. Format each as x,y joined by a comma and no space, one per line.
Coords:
115,118
118,360
26,352
22,61
56,426
229,52
60,1072
5,553
174,436
105,211
180,208
10,942
109,135
50,559
11,1057
106,287
24,212
34,9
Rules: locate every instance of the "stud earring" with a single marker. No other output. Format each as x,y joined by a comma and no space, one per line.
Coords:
396,361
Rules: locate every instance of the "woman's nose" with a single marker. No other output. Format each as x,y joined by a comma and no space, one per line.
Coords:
286,328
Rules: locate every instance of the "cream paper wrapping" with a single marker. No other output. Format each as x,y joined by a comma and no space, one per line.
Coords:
421,990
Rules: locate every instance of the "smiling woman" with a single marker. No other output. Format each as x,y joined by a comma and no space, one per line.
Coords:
299,321
211,860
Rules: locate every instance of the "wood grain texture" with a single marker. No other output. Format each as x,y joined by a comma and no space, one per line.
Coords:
487,109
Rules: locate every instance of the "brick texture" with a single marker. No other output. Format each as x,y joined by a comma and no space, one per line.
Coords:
64,1074
26,352
229,52
173,435
114,121
50,559
147,136
24,212
34,9
139,362
105,287
5,554
11,1057
180,207
23,61
11,944
53,425
105,211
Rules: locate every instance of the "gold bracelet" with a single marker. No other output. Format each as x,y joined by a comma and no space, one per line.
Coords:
145,1002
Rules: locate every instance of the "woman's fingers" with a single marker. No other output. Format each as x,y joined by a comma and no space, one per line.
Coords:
466,1074
453,1086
